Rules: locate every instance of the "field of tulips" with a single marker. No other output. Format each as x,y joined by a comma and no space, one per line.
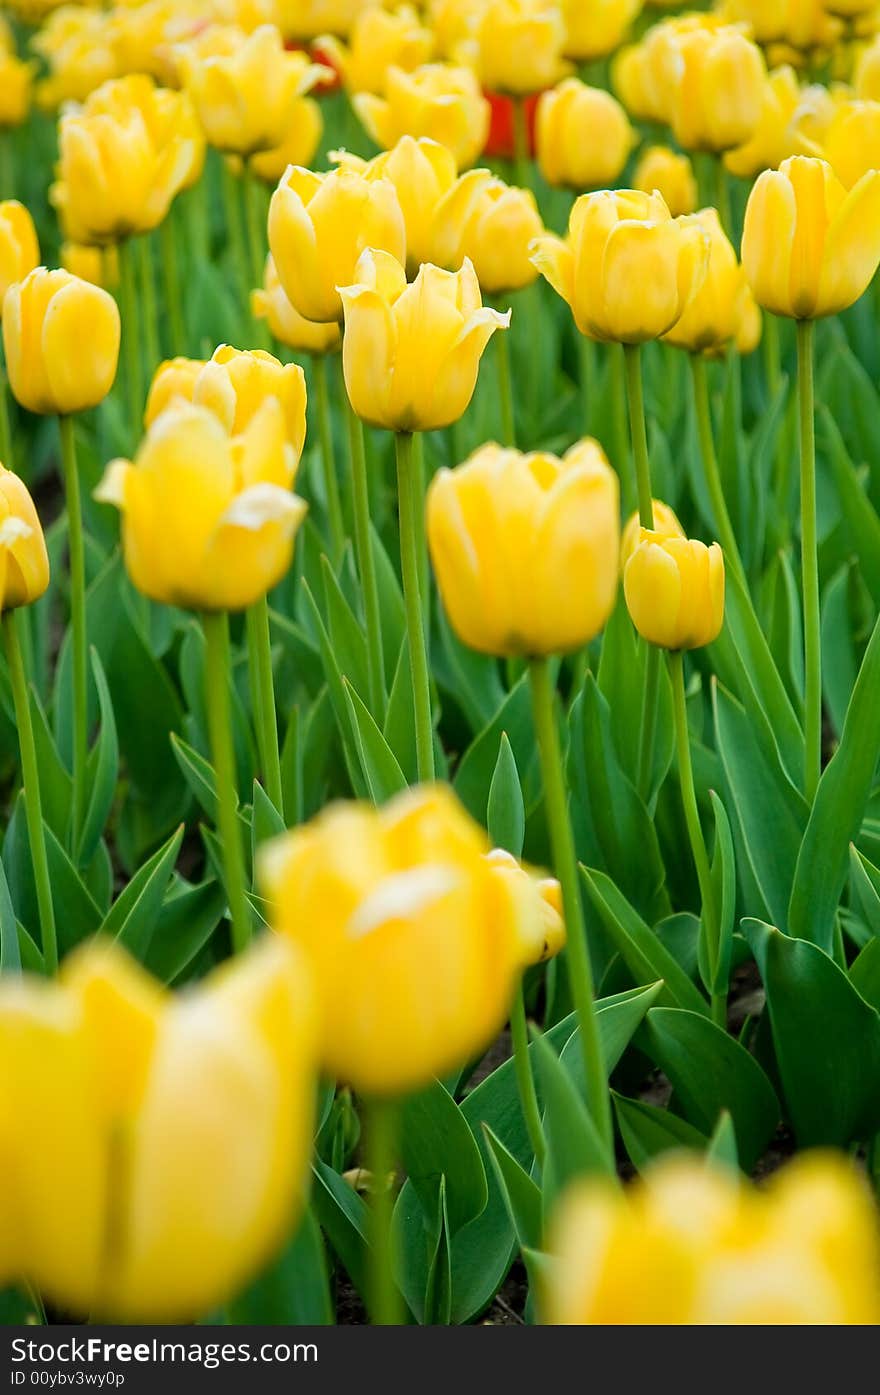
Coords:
439,720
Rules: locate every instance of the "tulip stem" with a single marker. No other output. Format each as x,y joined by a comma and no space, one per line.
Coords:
215,626
528,1098
360,497
328,463
384,1296
722,197
505,390
418,464
79,654
171,283
134,380
639,436
587,363
236,239
726,534
695,828
648,728
521,155
6,457
809,565
31,786
263,699
255,223
411,530
148,302
565,860
620,437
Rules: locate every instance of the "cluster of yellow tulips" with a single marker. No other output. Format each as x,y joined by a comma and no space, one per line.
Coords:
398,936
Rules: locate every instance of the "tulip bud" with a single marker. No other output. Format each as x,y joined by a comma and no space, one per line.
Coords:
206,525
674,590
666,525
712,317
100,265
583,136
525,548
16,77
380,40
423,172
778,133
415,942
545,932
597,29
24,561
19,250
852,142
302,137
671,174
319,224
715,100
809,248
515,46
307,19
61,337
627,269
411,354
438,101
77,47
483,220
287,326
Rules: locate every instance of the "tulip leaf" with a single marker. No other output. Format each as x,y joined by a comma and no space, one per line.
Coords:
336,689
31,958
860,517
826,1039
621,681
188,918
77,913
343,1218
10,951
864,974
198,773
103,768
505,811
472,677
266,822
784,628
435,1141
865,882
438,1288
135,913
295,1290
617,1031
522,1196
346,631
382,773
390,602
724,885
710,1071
474,775
399,728
839,667
648,1131
56,785
722,1147
574,1148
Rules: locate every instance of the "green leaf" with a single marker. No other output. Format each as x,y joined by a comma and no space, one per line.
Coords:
103,768
505,810
295,1290
343,1217
31,958
473,778
382,773
864,974
188,918
618,1029
865,879
522,1196
838,647
722,1145
438,1288
648,1131
838,809
10,951
860,517
346,631
336,689
198,773
435,1141
134,915
266,822
574,1148
724,884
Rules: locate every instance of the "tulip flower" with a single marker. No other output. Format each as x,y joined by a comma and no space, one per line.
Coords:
866,78
451,21
515,46
485,221
301,140
154,1150
19,249
307,19
715,99
712,317
852,141
778,133
702,1246
751,325
270,303
380,40
16,77
666,525
596,29
77,47
173,379
671,174
423,172
100,265
583,137
644,74
439,101
674,590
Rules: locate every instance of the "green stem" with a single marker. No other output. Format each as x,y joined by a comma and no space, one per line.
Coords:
171,285
265,715
521,155
129,308
419,488
7,166
505,389
79,651
217,681
525,1081
726,534
31,785
809,565
694,827
328,463
619,433
381,1142
360,497
648,727
148,303
6,457
577,953
255,223
722,198
410,504
236,239
587,357
638,434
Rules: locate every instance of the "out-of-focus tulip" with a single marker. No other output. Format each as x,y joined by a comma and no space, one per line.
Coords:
301,140
777,134
16,77
173,379
525,548
485,221
206,523
411,353
143,36
693,1246
423,172
452,21
715,98
597,28
76,44
712,318
61,337
19,249
643,74
380,39
244,98
246,14
549,929
515,46
309,19
270,303
319,224
810,248
852,142
583,137
751,326
100,265
671,174
627,269
439,101
136,1136
802,24
666,525
415,941
24,561
674,590
866,78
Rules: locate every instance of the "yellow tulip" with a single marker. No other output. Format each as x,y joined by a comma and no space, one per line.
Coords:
852,142
715,98
712,318
174,379
810,248
319,224
411,353
423,172
674,588
666,524
76,44
143,1095
439,101
207,523
301,139
598,27
525,548
19,249
691,1245
627,268
244,98
452,21
24,561
778,133
802,24
751,326
380,40
16,77
308,19
515,46
414,940
100,265
485,221
644,74
246,14
583,137
270,303
671,174
143,36
235,383
61,337
548,929
866,79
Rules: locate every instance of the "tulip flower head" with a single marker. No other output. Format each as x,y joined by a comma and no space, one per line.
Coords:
778,133
671,174
549,929
666,525
100,265
16,77
380,40
515,46
411,353
78,49
24,561
598,27
269,302
485,221
674,589
525,548
712,318
852,141
716,96
308,19
19,249
423,172
440,101
302,136
61,338
583,137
